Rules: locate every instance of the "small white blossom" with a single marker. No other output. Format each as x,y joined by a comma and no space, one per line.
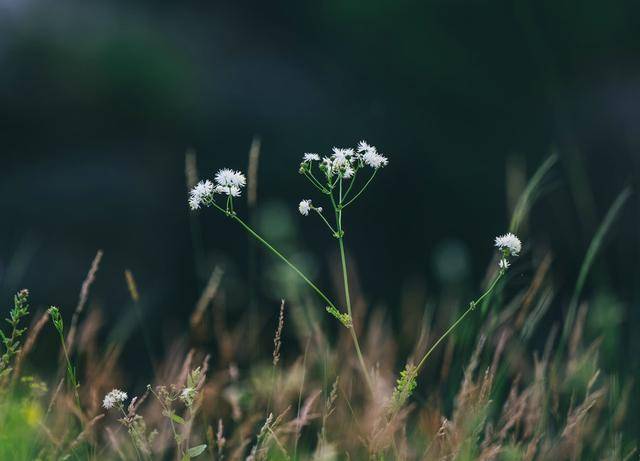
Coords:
343,152
187,395
509,242
194,203
372,158
304,207
348,172
199,192
310,158
228,177
340,159
113,398
503,263
229,182
364,147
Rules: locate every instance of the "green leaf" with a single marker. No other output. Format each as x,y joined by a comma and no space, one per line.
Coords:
174,417
197,450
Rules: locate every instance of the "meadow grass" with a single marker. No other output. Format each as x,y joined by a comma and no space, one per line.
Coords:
479,380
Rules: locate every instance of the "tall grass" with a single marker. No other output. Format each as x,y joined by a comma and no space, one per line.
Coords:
498,384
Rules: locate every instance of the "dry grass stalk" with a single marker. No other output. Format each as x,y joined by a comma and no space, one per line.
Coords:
82,301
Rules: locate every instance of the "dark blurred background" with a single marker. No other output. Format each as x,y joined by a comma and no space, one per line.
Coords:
99,101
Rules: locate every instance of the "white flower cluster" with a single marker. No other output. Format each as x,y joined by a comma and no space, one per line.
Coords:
227,182
113,398
509,245
345,161
305,206
199,192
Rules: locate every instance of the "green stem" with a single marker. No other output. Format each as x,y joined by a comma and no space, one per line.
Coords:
71,375
333,231
315,182
472,306
361,190
279,255
353,181
343,260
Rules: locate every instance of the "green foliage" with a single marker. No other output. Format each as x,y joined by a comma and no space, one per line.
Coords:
343,317
72,379
405,385
11,342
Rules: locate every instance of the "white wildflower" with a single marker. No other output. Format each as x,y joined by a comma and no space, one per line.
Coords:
364,147
509,243
194,203
113,398
343,152
304,207
372,158
310,158
229,182
503,263
199,193
348,172
228,177
340,159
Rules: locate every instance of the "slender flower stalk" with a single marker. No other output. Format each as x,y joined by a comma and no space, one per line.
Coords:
340,171
336,179
229,183
508,245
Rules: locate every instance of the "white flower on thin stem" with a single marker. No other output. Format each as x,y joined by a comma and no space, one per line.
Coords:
372,158
304,207
229,182
340,158
113,398
343,152
228,177
503,263
509,243
348,172
363,147
199,192
310,158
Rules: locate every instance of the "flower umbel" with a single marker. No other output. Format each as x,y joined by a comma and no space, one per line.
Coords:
113,398
199,193
509,245
509,242
227,182
305,206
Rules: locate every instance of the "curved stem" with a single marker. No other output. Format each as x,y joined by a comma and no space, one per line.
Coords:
333,231
353,181
361,190
345,278
472,306
314,182
354,336
279,255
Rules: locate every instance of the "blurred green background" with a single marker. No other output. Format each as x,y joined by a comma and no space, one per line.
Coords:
99,101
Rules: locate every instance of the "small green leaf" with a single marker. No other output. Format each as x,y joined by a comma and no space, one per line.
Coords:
197,450
175,418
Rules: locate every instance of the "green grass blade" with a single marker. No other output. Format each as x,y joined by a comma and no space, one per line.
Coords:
530,193
592,251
